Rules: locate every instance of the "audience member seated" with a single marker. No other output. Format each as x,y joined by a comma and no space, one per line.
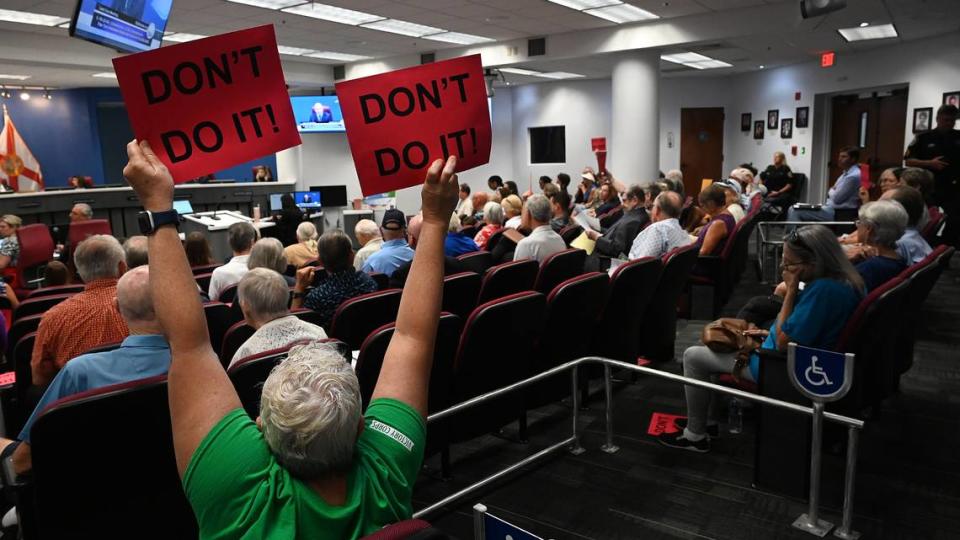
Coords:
616,239
543,181
512,208
563,182
720,223
731,194
241,237
287,220
81,212
880,225
512,187
664,233
813,317
264,295
306,247
478,200
368,236
543,241
342,282
560,210
750,185
609,199
268,253
494,183
198,249
6,291
587,193
56,274
457,243
493,222
135,251
923,180
395,249
465,204
413,230
889,179
144,353
318,466
780,183
9,243
911,247
650,193
88,319
674,178
842,196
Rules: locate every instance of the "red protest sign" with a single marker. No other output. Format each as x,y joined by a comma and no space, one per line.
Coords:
399,122
598,144
663,423
208,104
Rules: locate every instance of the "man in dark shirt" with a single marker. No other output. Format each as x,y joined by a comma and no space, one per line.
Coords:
938,151
618,237
342,282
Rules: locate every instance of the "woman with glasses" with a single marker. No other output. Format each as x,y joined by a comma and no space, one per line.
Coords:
880,225
812,317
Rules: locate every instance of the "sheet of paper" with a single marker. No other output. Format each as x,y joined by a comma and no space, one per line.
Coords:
585,243
587,221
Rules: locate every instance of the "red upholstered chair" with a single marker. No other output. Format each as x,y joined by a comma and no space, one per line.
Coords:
460,293
719,274
406,530
932,229
204,268
611,216
228,295
38,306
18,329
476,261
357,317
36,249
203,281
508,278
658,333
122,478
921,277
79,231
219,319
233,339
558,268
52,291
632,287
19,402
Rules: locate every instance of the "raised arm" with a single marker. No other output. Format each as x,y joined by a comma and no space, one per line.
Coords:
200,392
405,375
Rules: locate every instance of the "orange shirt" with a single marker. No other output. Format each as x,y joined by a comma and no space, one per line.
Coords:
76,325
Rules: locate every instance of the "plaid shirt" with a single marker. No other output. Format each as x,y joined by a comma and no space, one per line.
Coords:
76,325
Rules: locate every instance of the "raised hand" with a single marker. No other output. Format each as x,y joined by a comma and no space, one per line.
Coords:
149,177
439,194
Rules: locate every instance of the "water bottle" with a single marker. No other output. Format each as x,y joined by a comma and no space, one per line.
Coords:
256,214
735,420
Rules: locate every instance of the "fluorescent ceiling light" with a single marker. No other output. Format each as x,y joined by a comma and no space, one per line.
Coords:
695,60
14,77
293,51
404,28
580,5
459,38
333,14
180,37
621,13
709,64
882,31
105,75
64,25
560,75
338,56
519,71
269,4
25,17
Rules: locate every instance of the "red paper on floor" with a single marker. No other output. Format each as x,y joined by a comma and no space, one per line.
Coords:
663,423
7,378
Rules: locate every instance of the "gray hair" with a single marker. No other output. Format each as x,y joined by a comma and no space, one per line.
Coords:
263,293
99,257
887,219
268,253
306,231
136,251
454,224
669,204
85,209
493,213
818,245
539,208
675,178
241,236
367,229
133,296
310,411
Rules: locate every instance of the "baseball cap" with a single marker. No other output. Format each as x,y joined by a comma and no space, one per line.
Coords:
731,184
393,219
588,176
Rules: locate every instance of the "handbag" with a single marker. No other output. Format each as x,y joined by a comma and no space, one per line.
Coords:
726,335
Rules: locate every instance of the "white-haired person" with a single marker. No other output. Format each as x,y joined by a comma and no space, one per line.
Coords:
493,222
542,241
674,178
269,253
813,317
314,464
264,296
368,236
879,225
306,247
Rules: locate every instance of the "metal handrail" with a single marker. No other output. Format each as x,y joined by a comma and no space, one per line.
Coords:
762,239
852,424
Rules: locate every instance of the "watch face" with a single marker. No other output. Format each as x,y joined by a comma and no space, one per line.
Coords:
143,219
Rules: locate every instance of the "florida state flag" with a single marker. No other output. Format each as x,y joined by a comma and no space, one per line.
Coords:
19,170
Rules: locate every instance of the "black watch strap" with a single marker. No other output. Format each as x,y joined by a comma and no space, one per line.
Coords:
151,221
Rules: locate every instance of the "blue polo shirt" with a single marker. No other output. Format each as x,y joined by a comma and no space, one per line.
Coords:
392,255
458,244
138,357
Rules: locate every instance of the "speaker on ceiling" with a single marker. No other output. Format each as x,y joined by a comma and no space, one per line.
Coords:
815,8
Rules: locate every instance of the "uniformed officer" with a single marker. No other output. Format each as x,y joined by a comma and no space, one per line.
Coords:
938,151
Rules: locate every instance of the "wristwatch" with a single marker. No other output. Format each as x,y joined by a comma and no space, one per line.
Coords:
151,221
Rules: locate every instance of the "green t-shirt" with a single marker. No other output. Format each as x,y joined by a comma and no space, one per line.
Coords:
238,490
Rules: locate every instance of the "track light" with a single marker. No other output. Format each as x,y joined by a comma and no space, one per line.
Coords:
47,95
4,93
24,95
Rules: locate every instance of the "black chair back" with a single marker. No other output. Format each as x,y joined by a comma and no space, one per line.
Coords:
570,233
632,287
19,329
307,315
358,316
18,405
233,339
558,268
460,293
922,277
219,319
476,261
203,281
494,239
508,278
228,295
52,291
38,306
658,333
382,280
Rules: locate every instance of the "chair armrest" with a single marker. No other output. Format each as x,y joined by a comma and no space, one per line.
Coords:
708,265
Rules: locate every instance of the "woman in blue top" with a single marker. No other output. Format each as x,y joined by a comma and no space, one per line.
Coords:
880,225
813,317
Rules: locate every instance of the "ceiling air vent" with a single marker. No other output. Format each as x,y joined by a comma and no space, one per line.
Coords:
339,72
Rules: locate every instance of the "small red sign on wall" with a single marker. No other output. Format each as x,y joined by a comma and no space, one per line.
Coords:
827,59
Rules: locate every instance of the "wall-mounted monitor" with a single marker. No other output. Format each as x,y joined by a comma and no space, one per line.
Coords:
131,26
332,195
317,114
303,199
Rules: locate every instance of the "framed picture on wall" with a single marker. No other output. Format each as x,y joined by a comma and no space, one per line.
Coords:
773,119
786,128
745,121
921,119
952,98
803,117
758,129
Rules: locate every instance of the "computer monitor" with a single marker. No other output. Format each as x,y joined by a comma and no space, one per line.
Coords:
183,207
307,199
332,195
275,203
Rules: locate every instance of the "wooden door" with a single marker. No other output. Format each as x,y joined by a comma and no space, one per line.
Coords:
875,124
701,146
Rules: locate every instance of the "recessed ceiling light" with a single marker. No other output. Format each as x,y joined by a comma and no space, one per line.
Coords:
338,56
882,31
864,24
24,95
105,75
560,75
457,37
519,71
761,66
404,28
622,13
269,4
14,77
581,5
333,14
293,51
25,17
695,60
181,37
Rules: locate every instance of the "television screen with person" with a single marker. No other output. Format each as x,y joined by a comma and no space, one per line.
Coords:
317,114
307,199
125,25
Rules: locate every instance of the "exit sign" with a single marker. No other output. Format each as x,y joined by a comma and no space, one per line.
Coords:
827,58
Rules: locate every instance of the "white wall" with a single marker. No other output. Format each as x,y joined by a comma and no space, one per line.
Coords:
687,92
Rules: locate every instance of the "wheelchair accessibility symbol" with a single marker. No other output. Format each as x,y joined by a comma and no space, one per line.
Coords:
820,375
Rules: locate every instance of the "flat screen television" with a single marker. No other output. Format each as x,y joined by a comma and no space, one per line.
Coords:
303,199
332,195
125,25
318,114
